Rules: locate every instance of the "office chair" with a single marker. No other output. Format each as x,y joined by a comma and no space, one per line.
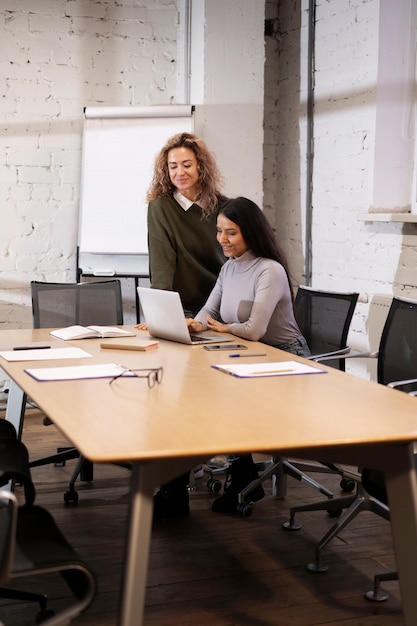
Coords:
324,319
57,305
397,359
31,544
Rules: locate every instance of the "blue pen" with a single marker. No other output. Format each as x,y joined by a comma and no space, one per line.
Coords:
247,354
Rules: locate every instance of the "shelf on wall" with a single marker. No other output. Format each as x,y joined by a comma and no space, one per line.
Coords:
409,218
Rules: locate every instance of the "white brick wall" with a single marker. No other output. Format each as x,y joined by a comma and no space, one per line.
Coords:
57,57
347,254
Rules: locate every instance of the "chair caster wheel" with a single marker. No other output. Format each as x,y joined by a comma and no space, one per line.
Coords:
244,510
377,596
347,485
214,485
43,616
70,496
291,525
317,566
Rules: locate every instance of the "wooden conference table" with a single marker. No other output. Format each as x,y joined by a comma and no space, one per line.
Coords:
198,412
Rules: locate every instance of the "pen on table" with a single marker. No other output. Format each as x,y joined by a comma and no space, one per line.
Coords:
31,347
248,354
272,372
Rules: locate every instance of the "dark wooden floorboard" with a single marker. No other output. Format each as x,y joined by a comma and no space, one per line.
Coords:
210,569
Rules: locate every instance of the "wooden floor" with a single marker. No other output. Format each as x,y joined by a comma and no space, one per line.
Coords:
211,569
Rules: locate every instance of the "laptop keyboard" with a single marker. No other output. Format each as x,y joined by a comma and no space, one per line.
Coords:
197,339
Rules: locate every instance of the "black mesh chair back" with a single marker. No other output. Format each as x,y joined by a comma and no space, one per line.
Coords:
397,362
397,354
57,305
31,543
324,319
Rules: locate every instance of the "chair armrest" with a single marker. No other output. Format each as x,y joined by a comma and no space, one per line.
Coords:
355,355
402,383
335,354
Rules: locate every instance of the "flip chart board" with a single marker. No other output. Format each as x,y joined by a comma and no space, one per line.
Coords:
119,148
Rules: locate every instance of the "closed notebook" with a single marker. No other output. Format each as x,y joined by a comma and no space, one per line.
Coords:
126,344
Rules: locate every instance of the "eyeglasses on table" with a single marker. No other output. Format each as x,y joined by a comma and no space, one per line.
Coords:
153,374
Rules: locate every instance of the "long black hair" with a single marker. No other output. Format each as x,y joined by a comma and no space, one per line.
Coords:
255,229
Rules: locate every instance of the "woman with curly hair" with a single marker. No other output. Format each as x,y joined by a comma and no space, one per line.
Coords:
184,197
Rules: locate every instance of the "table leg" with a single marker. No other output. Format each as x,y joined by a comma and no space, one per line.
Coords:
401,480
15,409
133,593
145,477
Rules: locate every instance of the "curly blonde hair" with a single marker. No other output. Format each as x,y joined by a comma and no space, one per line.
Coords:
210,180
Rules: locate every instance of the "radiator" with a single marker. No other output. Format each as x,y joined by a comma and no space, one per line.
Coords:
378,307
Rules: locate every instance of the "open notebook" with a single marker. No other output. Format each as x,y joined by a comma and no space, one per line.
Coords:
164,316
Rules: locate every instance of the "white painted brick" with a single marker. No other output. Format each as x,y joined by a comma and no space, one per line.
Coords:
128,13
48,25
85,8
44,108
105,93
69,174
82,27
8,176
139,65
36,175
16,22
28,157
152,49
44,7
137,30
65,134
11,54
65,157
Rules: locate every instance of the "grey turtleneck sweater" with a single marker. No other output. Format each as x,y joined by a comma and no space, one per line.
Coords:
252,294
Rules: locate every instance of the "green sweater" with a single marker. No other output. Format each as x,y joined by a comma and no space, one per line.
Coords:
184,255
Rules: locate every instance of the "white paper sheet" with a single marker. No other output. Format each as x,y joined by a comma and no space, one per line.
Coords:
45,354
77,372
255,370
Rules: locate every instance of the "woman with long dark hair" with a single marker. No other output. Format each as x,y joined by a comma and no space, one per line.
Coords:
252,299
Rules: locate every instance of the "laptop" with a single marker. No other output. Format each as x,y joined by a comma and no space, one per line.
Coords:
164,316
